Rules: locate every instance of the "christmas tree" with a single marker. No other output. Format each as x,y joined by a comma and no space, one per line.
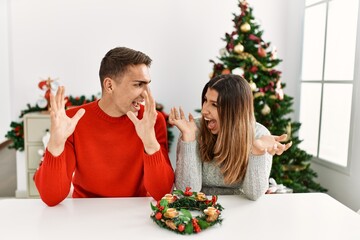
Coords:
248,55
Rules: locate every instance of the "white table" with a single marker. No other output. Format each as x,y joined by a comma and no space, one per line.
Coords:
276,216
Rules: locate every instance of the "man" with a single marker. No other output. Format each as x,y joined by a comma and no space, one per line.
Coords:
113,147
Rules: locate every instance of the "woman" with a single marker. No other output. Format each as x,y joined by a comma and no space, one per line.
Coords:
225,151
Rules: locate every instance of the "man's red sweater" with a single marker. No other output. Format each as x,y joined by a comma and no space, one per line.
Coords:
104,157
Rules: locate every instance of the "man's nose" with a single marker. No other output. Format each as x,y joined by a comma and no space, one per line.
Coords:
144,88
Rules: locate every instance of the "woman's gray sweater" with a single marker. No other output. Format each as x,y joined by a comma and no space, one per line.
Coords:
207,177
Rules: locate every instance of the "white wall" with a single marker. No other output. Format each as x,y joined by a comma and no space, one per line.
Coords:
67,39
5,118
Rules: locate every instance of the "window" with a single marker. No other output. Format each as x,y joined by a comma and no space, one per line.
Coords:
327,80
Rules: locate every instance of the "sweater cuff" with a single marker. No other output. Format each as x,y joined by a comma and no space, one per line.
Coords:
52,161
258,160
188,147
153,159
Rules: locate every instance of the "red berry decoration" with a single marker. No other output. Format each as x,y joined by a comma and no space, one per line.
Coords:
188,192
181,227
158,215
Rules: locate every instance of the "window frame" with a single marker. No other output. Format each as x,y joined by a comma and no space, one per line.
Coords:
354,98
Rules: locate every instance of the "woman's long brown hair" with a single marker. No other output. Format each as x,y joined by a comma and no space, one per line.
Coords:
232,145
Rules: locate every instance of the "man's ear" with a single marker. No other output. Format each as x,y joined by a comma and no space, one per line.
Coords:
108,84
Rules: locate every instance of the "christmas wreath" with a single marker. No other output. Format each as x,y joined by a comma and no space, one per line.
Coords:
173,211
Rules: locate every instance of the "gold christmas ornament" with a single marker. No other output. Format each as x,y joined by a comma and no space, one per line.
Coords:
266,110
169,197
259,94
272,96
239,48
288,131
200,197
211,213
171,213
253,60
253,86
296,168
245,27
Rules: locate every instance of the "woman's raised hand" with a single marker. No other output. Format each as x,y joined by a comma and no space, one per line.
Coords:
61,125
271,144
188,127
